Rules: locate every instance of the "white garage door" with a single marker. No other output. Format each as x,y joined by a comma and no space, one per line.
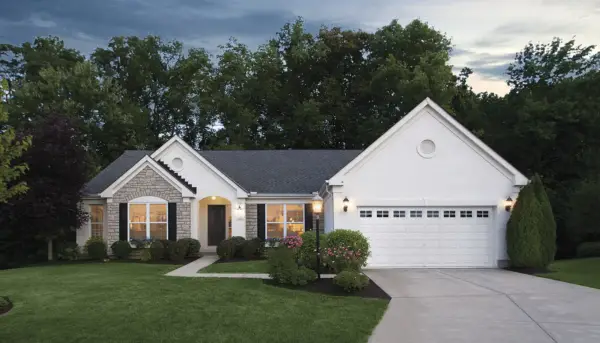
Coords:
428,237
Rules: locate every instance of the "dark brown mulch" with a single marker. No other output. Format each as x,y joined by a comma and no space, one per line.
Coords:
238,259
326,286
529,271
185,261
5,309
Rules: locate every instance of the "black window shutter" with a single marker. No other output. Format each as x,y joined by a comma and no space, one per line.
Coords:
172,225
260,221
308,217
123,221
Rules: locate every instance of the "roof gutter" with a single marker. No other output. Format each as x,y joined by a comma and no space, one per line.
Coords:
280,195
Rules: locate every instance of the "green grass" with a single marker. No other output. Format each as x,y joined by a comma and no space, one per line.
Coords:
585,272
127,302
259,266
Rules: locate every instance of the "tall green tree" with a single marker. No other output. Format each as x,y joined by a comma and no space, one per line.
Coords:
523,240
548,227
11,149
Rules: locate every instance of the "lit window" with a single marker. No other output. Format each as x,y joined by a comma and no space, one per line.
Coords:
366,214
148,221
482,214
416,214
399,214
433,214
449,214
285,220
383,214
466,214
97,220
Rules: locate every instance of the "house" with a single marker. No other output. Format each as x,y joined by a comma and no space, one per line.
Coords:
427,193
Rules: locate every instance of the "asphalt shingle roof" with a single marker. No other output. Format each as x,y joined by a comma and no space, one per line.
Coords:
261,171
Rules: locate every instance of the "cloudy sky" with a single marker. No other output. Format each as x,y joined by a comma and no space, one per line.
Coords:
486,33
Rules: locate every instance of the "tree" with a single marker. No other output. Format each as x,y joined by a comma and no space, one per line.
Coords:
584,212
10,150
548,227
523,240
57,173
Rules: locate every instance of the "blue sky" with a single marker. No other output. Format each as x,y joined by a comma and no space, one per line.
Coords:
486,33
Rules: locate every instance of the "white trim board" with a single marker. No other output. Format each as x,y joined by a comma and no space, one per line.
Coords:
517,177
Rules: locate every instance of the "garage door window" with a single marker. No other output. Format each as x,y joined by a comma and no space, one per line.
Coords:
416,214
399,214
482,214
449,214
383,214
285,220
466,214
366,214
433,214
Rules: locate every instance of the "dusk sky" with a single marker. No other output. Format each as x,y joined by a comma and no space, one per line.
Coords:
485,33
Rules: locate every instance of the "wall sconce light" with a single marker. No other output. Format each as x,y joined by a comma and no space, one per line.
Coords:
508,204
239,207
213,197
346,202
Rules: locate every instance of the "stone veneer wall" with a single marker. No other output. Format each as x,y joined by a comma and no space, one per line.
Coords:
148,183
251,221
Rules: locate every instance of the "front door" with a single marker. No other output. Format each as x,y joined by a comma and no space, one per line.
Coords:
216,224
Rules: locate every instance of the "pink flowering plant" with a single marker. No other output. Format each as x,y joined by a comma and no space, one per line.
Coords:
293,242
342,258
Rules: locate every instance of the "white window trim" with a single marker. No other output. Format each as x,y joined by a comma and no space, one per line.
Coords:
102,222
147,201
285,222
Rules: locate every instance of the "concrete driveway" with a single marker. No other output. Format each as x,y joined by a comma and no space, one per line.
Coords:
486,305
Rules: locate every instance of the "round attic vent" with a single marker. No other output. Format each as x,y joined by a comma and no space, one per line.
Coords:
177,163
426,148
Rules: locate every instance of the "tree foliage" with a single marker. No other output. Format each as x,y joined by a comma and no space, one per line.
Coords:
523,239
548,226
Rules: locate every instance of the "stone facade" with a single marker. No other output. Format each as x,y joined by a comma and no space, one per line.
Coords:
148,183
251,221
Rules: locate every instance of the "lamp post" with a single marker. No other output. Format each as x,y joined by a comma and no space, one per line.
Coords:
317,207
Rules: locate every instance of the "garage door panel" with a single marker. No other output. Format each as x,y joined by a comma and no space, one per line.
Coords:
436,239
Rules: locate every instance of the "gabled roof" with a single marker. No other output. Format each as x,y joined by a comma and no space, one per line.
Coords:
517,177
261,171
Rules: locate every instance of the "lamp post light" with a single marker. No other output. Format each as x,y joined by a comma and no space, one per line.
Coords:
317,207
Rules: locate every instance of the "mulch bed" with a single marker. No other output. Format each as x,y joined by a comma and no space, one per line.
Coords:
529,271
6,309
239,259
326,286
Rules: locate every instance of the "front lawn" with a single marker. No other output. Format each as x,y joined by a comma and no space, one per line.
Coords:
133,302
585,272
258,266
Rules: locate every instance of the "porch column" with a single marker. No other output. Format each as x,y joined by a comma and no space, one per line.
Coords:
195,218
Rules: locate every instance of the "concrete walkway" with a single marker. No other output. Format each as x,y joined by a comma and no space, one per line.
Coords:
492,306
191,270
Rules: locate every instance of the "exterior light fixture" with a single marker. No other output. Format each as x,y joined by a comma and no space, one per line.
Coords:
508,204
317,207
346,202
213,197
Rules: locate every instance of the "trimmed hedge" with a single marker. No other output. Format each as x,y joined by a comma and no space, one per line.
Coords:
308,251
523,238
157,251
239,243
284,270
193,247
548,227
121,249
226,249
351,281
179,250
353,240
95,247
253,248
588,249
68,251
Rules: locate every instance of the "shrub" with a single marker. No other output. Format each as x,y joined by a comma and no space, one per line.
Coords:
307,254
146,255
179,250
282,265
141,243
343,258
292,242
351,281
523,239
238,242
341,240
548,225
583,221
121,249
95,248
193,247
588,249
253,248
5,304
157,251
226,249
303,276
169,245
68,251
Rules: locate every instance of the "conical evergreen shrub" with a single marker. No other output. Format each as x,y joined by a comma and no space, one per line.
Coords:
522,231
548,227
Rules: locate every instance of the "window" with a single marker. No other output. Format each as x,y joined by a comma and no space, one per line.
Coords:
97,220
449,214
148,221
466,214
482,214
416,214
399,214
366,214
285,220
383,214
433,214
